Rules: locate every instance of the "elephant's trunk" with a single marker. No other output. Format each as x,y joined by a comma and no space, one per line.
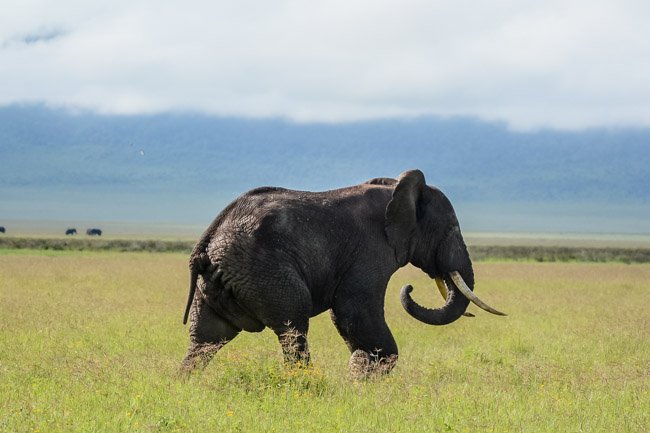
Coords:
453,261
458,290
451,255
454,307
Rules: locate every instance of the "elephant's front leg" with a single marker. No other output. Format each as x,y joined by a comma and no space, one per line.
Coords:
374,351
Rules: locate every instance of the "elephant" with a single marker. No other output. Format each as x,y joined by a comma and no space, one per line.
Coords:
2,229
71,231
94,232
275,257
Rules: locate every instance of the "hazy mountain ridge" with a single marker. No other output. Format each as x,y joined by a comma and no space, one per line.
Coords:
52,151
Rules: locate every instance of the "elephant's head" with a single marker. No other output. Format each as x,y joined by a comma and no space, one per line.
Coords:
422,227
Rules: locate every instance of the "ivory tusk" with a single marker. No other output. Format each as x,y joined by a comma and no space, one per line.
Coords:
444,291
460,283
442,287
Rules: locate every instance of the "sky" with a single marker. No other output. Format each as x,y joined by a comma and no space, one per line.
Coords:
555,64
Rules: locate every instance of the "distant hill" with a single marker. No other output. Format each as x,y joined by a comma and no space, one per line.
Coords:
184,167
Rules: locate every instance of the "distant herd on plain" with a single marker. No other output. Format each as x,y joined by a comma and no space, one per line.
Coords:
70,231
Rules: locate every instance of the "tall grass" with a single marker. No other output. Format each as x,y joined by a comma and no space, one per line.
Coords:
91,342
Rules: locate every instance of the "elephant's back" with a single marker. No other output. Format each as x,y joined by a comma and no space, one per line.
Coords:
269,213
278,225
304,222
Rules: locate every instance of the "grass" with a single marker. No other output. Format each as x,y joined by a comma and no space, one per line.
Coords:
90,342
95,244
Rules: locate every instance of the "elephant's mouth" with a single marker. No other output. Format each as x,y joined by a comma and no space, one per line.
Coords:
467,292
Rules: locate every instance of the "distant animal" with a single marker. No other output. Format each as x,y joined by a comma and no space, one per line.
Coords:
71,232
2,229
94,232
276,257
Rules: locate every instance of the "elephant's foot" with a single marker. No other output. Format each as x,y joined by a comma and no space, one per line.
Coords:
364,365
198,356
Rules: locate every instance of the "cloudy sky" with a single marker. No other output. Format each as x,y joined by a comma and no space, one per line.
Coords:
533,64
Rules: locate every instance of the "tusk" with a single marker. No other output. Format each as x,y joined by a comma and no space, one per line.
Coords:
442,287
460,283
444,291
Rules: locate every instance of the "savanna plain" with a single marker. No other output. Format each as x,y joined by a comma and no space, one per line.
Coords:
91,342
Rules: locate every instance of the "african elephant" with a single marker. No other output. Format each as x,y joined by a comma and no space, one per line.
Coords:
94,232
276,257
71,231
2,229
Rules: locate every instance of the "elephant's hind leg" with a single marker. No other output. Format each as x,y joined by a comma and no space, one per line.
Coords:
293,339
208,333
288,315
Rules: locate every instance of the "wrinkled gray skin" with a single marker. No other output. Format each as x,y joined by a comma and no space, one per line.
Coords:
276,257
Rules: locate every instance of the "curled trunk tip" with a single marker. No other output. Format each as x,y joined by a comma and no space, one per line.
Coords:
451,311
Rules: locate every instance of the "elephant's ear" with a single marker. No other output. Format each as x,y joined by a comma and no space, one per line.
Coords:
401,213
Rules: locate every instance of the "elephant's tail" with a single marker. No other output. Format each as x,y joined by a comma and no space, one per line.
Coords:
194,275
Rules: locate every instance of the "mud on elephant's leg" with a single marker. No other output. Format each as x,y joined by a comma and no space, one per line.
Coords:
293,340
208,333
364,365
199,355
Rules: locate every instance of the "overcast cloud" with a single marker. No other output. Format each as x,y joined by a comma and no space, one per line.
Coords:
552,63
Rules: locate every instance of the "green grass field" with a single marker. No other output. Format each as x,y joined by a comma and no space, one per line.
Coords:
90,342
